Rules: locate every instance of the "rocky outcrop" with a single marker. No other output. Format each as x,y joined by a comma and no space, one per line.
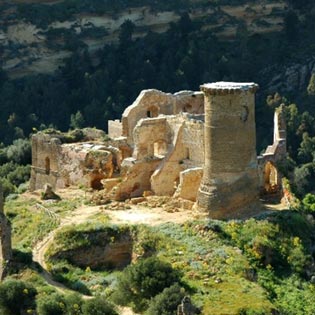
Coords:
25,49
109,249
289,78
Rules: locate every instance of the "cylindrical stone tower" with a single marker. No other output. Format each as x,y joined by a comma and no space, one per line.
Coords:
229,186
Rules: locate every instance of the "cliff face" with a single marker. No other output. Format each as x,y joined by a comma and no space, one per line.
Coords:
27,48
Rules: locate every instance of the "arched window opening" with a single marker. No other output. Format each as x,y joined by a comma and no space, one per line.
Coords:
152,111
271,178
160,148
187,154
47,165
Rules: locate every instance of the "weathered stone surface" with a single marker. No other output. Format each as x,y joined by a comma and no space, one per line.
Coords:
81,163
152,103
168,143
230,178
189,183
48,193
116,253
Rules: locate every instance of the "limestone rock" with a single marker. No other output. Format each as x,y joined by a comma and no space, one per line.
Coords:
49,194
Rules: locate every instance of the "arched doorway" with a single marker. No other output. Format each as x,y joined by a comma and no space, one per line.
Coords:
270,178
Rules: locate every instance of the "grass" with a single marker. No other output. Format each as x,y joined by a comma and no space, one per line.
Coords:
237,267
29,224
214,270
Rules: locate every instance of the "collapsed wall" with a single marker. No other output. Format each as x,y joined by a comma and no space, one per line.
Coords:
84,163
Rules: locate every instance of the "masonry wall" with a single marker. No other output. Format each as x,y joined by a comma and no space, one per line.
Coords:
230,180
45,168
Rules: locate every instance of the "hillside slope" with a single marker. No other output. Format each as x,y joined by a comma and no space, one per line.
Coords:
32,44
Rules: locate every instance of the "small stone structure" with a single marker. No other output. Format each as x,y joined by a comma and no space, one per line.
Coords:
197,146
61,164
270,178
5,240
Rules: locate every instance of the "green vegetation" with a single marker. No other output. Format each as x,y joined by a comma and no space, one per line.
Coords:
144,280
257,266
16,297
254,266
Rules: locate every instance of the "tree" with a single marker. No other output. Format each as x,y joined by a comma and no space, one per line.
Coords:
291,26
98,306
166,302
311,85
16,297
77,120
53,304
144,280
125,32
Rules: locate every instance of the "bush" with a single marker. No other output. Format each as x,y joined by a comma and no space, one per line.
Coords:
53,304
166,302
309,203
98,306
144,280
74,304
16,297
20,151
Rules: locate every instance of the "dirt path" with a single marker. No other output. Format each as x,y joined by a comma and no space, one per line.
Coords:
136,215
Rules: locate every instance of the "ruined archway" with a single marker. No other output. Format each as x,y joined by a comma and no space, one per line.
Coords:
270,178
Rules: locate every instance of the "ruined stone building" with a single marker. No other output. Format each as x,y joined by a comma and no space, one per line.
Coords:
198,146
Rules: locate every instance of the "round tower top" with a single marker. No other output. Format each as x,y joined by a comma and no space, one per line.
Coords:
222,88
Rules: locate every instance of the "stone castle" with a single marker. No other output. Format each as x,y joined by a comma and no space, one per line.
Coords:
196,146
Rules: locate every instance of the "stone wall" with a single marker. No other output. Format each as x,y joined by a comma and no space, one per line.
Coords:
186,151
270,179
152,103
46,151
81,163
189,182
114,128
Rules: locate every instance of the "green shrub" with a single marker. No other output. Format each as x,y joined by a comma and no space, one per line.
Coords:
16,297
74,304
20,151
308,203
54,304
144,280
98,306
166,302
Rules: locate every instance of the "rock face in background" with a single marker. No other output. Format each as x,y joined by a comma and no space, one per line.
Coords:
29,48
293,78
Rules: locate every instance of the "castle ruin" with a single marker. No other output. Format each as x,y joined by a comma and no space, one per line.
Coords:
196,146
